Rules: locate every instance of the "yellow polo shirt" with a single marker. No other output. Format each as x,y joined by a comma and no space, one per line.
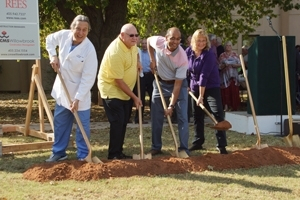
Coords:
118,62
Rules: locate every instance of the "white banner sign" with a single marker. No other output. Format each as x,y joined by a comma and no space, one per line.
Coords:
19,30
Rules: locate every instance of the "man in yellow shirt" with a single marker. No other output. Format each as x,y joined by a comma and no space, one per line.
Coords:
116,80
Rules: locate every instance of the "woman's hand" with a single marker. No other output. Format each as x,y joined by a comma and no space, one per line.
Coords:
199,100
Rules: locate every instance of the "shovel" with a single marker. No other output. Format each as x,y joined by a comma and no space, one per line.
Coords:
258,144
290,140
221,126
88,158
181,154
142,155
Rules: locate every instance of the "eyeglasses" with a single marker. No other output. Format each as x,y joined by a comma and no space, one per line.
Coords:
133,35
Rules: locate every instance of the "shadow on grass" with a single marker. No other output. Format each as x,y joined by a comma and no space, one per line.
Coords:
211,179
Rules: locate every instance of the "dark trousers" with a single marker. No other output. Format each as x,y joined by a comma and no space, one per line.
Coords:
146,86
117,112
213,103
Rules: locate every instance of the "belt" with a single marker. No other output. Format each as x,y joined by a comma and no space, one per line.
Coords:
166,81
145,73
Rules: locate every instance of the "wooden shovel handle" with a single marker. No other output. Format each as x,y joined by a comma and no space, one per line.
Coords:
168,117
250,100
140,116
75,114
204,109
287,86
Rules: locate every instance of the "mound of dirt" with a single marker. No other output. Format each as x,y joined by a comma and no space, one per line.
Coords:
82,171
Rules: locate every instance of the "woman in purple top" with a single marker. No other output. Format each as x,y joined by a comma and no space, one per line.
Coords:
205,84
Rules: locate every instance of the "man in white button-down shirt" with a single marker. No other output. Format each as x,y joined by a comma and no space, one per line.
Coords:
77,62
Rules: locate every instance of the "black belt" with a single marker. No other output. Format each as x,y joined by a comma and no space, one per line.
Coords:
146,73
166,81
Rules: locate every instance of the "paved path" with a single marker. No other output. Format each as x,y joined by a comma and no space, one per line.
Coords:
101,125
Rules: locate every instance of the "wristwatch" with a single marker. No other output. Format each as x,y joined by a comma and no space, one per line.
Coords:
171,106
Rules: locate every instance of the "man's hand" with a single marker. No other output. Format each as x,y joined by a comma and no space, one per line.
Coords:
138,103
74,105
168,111
54,62
139,67
153,66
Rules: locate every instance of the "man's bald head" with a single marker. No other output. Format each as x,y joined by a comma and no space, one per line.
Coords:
129,35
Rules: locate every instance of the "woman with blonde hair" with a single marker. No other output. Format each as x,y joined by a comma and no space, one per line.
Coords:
205,84
229,64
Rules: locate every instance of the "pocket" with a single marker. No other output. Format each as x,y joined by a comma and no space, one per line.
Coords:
76,63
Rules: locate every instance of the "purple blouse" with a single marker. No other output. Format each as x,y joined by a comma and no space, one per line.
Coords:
203,70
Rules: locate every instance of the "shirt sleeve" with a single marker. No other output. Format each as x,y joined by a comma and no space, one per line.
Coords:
157,42
52,41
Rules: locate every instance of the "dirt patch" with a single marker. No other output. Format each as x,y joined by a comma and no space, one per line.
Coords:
82,171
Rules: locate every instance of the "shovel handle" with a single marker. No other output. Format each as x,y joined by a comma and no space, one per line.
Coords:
204,109
140,116
251,101
287,86
168,117
76,115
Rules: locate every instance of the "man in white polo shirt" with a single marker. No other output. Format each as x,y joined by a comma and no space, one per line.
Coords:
170,61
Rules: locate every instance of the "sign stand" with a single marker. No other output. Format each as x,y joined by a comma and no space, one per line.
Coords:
43,104
24,18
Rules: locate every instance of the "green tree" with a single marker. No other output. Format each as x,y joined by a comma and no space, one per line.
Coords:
155,16
218,17
106,18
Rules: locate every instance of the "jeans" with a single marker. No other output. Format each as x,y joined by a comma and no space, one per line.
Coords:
157,114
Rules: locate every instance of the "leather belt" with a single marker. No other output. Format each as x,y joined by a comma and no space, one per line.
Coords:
166,81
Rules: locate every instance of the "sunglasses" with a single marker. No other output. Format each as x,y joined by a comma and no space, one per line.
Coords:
133,35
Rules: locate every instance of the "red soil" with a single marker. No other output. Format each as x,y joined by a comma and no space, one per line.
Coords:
82,171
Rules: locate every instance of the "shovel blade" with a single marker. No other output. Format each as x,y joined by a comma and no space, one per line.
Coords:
136,157
260,146
180,154
292,140
148,156
222,126
139,157
96,160
288,140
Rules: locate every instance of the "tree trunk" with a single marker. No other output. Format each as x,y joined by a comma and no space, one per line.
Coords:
105,27
115,18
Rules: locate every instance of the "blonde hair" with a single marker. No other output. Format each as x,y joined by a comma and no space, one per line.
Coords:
197,34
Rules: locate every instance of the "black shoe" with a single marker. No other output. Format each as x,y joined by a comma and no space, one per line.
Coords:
120,157
155,152
222,150
125,156
196,147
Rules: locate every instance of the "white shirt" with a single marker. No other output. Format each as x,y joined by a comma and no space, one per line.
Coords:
78,69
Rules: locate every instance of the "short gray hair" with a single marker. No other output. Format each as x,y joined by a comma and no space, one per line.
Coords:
212,37
80,18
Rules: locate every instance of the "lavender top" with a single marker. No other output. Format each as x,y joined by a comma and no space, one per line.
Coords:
203,70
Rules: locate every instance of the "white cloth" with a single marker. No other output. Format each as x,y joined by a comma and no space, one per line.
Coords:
78,69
